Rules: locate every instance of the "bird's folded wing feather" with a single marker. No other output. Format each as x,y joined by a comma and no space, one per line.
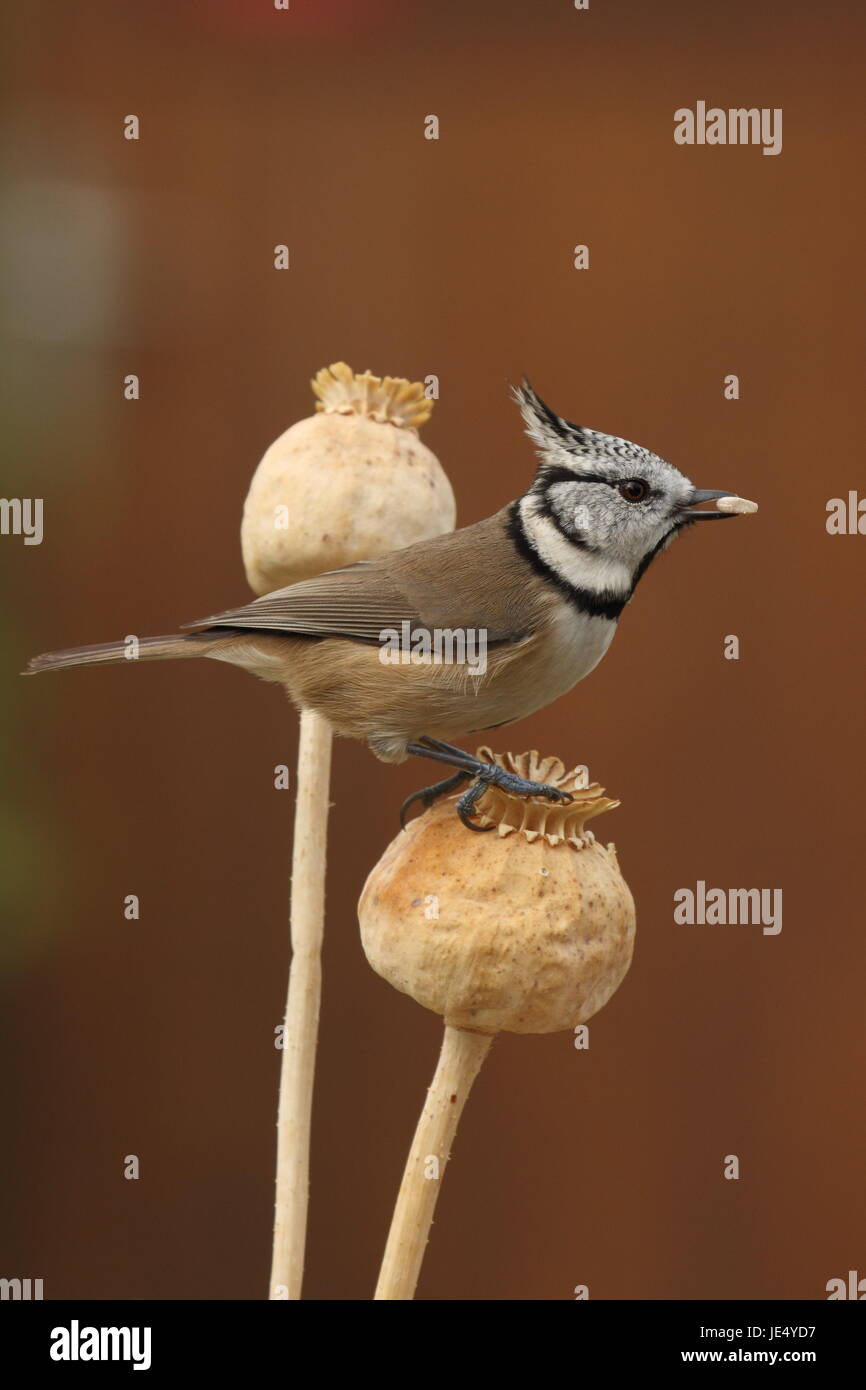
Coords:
435,584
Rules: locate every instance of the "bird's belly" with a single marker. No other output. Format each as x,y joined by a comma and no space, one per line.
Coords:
572,646
391,705
530,676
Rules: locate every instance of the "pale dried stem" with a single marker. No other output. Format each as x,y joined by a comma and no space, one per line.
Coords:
302,1007
461,1056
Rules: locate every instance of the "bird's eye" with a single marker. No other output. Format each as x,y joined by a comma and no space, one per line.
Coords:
633,489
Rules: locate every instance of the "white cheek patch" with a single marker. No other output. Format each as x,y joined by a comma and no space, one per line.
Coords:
588,524
598,573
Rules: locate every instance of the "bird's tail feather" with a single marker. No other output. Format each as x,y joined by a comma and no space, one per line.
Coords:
131,649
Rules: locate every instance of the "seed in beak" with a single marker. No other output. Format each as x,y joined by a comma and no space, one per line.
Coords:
727,504
736,505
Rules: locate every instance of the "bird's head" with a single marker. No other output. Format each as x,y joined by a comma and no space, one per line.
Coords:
607,497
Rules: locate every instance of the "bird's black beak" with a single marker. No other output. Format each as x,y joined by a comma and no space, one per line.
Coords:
688,510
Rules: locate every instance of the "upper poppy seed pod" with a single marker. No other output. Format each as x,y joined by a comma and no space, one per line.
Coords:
352,481
528,929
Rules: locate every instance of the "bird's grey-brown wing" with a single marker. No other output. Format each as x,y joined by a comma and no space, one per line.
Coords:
468,578
356,602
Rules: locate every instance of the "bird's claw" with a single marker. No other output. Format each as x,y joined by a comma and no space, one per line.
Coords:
481,775
429,795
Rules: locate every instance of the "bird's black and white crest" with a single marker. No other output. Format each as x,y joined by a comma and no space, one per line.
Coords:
561,443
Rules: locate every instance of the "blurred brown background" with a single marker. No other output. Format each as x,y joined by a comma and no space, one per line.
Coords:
416,257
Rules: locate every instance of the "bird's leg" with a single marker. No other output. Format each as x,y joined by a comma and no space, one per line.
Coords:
441,747
427,795
444,753
484,775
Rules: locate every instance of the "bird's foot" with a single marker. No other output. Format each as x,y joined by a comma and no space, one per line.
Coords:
491,775
482,776
428,795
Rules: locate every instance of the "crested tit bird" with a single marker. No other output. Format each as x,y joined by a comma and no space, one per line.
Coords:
542,583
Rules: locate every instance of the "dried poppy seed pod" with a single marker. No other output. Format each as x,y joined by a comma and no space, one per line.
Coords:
526,930
352,481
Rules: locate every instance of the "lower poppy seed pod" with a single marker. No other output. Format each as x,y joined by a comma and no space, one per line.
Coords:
529,929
